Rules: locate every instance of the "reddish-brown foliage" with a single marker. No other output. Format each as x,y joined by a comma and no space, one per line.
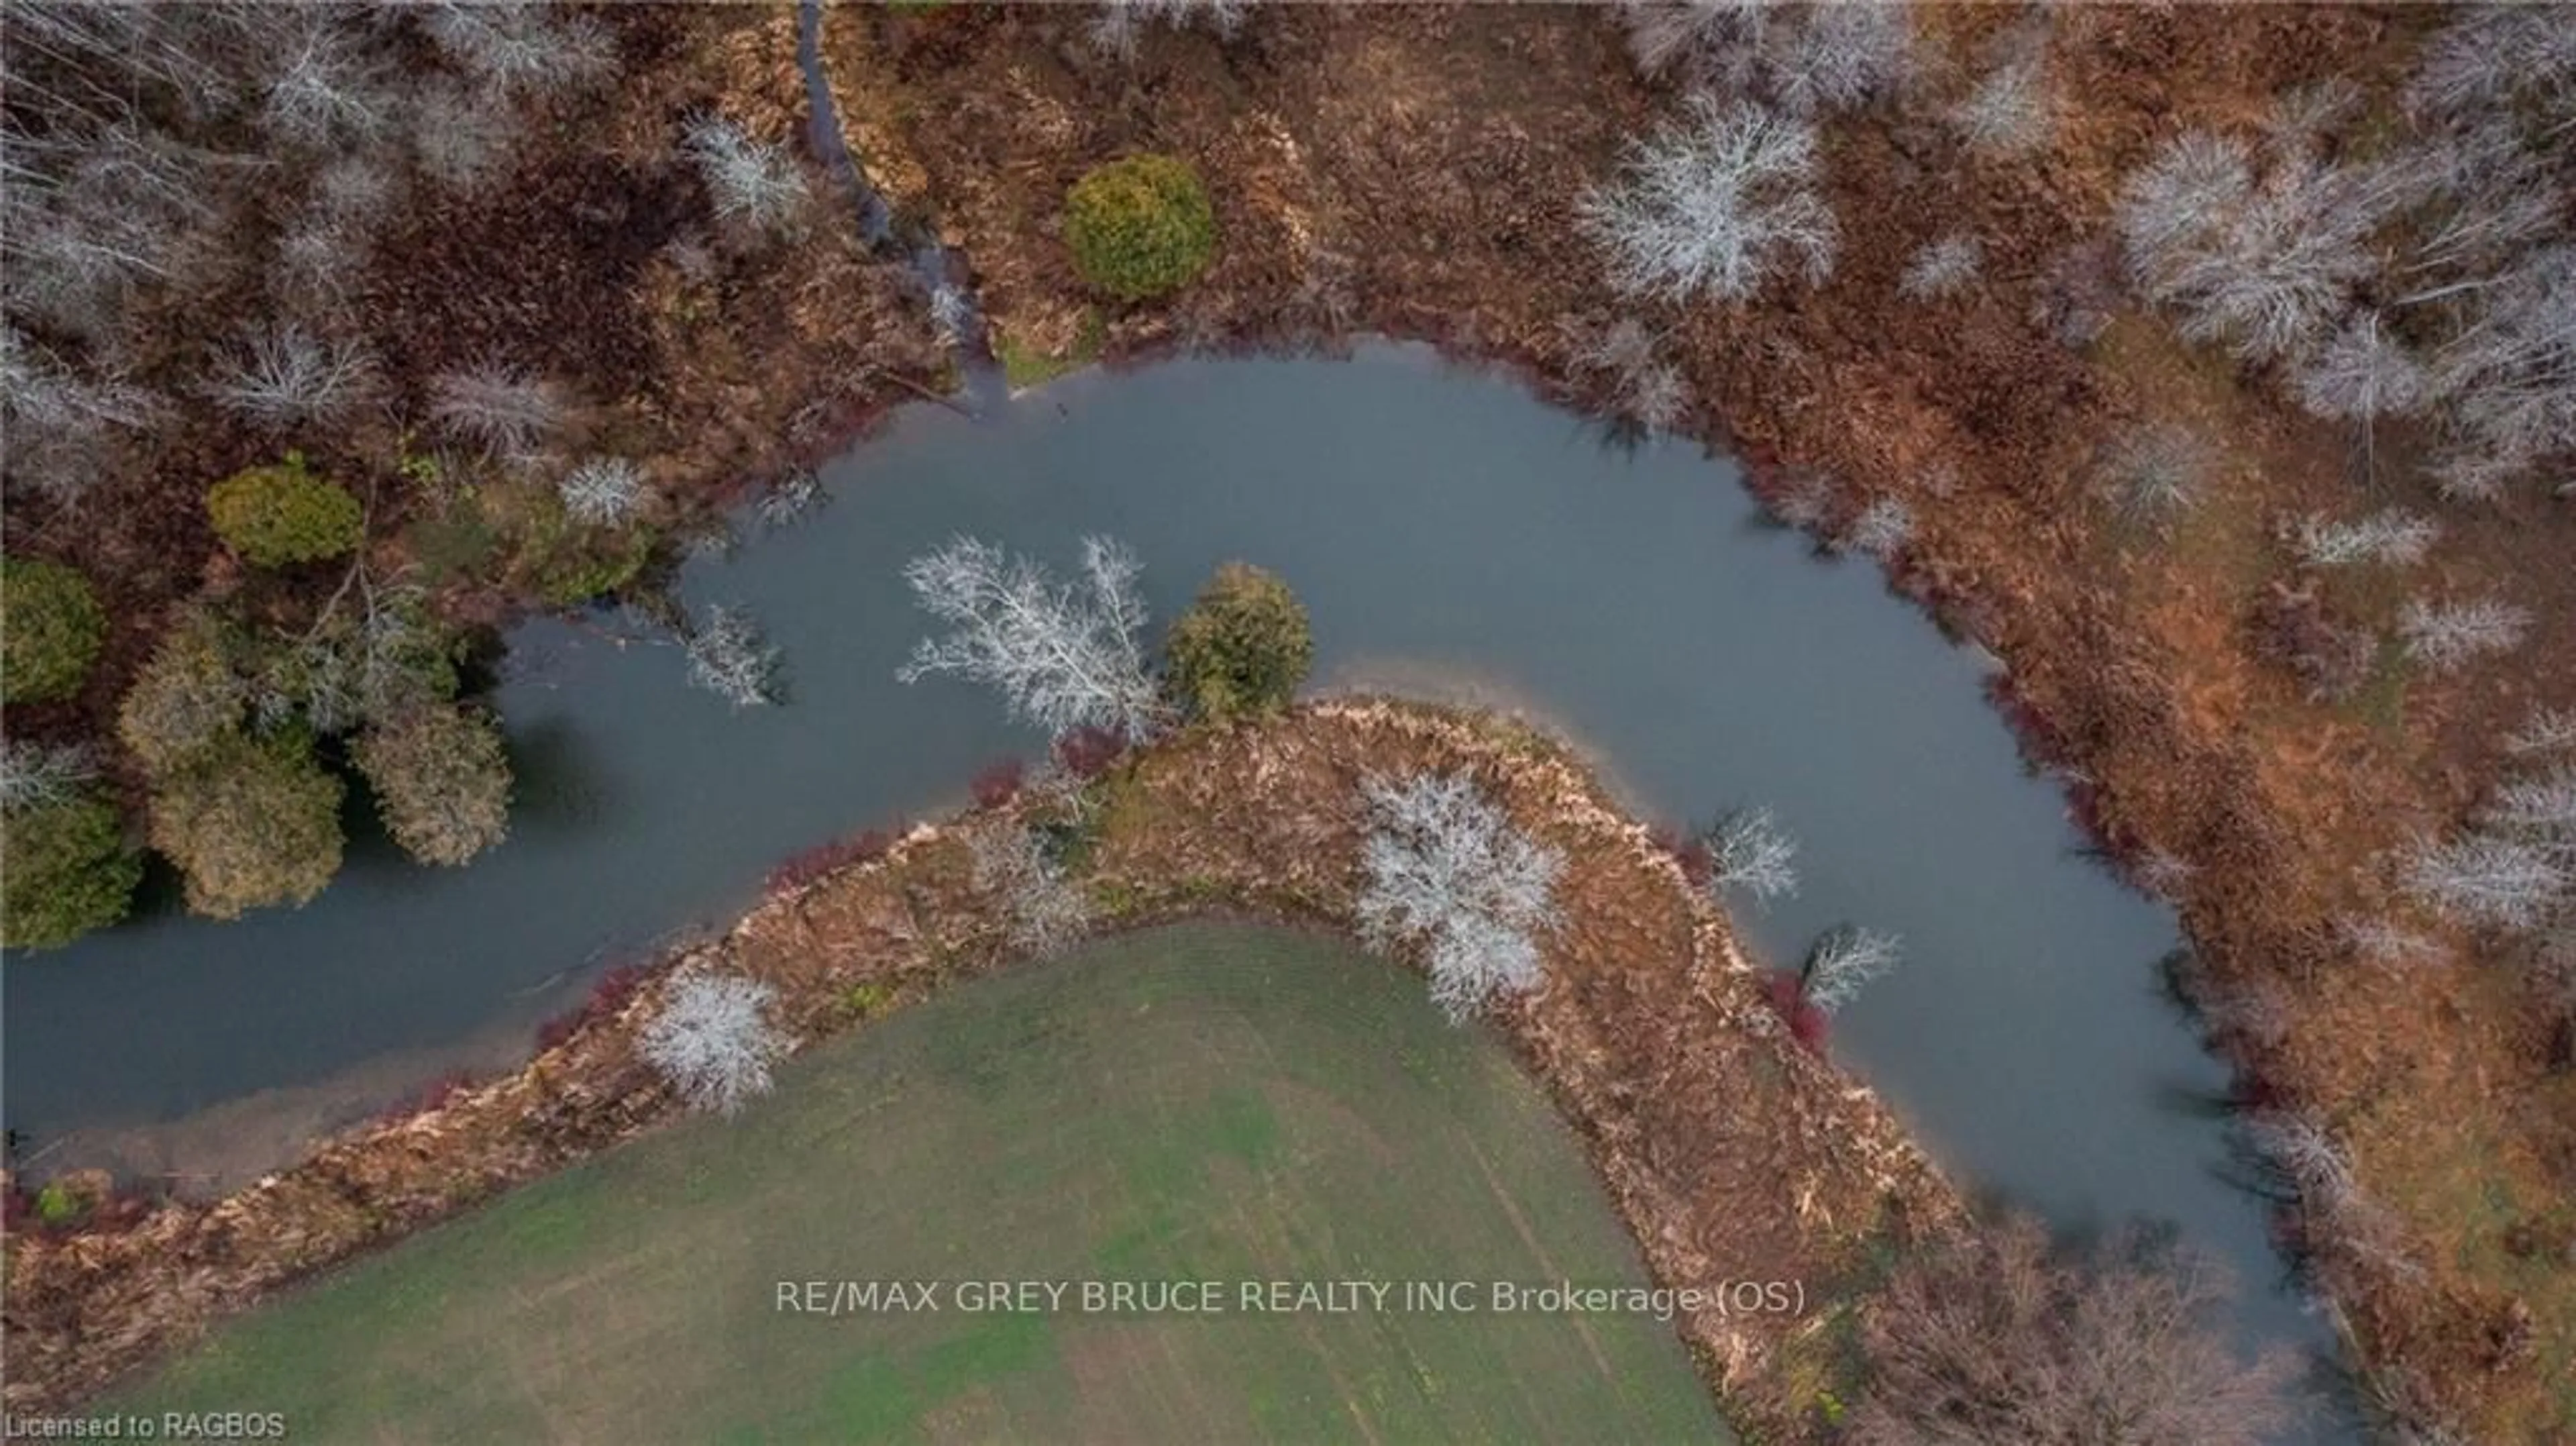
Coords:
999,783
808,865
1807,1024
1088,751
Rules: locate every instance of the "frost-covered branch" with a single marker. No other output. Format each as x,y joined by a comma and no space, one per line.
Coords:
602,490
1447,871
2391,535
731,658
1843,960
713,1041
286,377
1062,656
2446,635
1715,205
1942,268
1748,850
1045,910
754,184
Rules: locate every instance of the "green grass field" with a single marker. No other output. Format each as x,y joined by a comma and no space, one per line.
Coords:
1200,1102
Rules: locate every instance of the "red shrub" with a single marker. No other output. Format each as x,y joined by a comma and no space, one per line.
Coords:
1807,1023
999,783
607,996
1086,752
431,1095
807,865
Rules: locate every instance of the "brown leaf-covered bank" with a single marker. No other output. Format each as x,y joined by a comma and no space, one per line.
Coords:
1733,1152
1413,170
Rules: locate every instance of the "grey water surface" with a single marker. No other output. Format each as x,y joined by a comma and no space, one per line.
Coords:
1429,520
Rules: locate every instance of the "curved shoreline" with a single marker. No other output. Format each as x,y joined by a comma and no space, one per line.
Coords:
1729,1150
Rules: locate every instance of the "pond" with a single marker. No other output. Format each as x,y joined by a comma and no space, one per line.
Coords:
1439,526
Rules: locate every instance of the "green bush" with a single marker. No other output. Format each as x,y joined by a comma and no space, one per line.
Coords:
442,782
50,629
1140,227
251,822
1241,649
187,697
69,871
276,516
59,1206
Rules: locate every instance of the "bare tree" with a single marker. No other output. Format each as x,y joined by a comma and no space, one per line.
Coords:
1447,871
754,184
2265,266
2391,535
1942,268
1841,962
713,1041
1044,910
2361,375
1116,26
2383,941
2547,730
1999,1338
1880,530
286,377
2156,473
523,47
729,657
35,774
1645,389
1806,59
2009,114
509,413
1063,656
602,491
326,88
2538,807
1748,850
1716,205
2445,635
2487,880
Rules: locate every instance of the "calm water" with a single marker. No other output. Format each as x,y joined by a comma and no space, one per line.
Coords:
1426,518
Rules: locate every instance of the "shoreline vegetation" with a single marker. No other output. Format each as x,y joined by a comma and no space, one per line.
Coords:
1731,1150
2278,743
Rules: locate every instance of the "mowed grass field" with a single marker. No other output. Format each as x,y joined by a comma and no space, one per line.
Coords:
1198,1102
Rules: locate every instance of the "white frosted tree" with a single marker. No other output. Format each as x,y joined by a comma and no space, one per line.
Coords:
522,47
2444,636
1749,851
2392,535
713,1041
1715,205
1449,873
2155,474
509,413
754,184
1880,530
2488,880
35,774
1044,910
326,87
286,377
1941,268
2266,264
2547,730
1063,656
1118,24
602,490
731,658
1645,389
2362,374
2009,113
1841,962
1807,59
